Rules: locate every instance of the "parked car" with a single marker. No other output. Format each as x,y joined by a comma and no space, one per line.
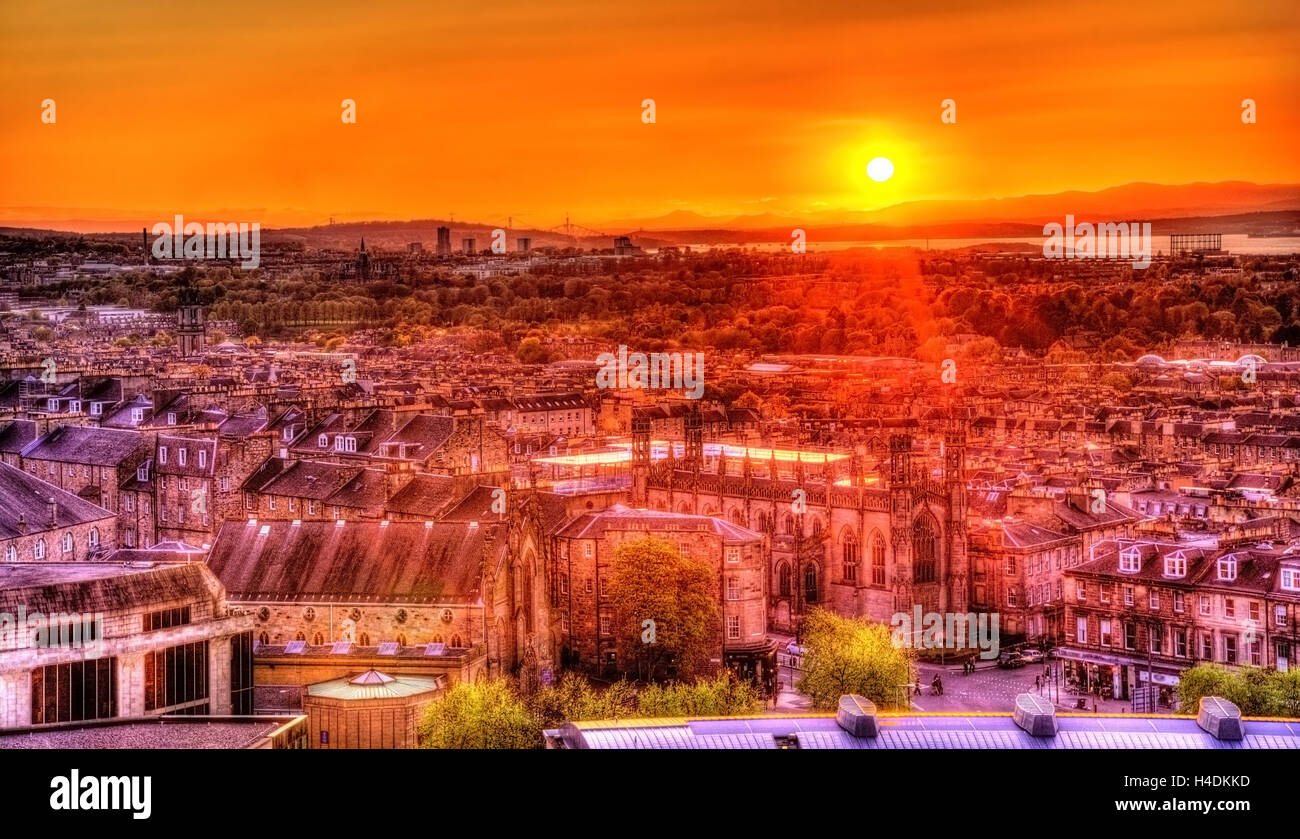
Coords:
1032,656
1009,659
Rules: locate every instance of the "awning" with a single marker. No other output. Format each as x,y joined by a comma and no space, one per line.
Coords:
1158,677
1090,657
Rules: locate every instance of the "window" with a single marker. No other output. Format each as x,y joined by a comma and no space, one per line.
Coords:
137,414
38,550
1230,649
604,624
1291,579
1130,560
1011,596
1178,601
1153,599
1228,568
1176,565
878,561
11,553
82,690
293,505
142,474
67,543
925,551
587,586
733,627
1205,604
588,549
323,441
1128,595
849,556
1207,649
1180,643
564,584
733,554
604,587
1256,655
1081,590
203,458
311,508
162,455
1279,615
166,618
1229,607
1130,636
1105,633
810,583
783,580
270,502
176,676
1105,592
1155,638
93,539
182,455
1253,606
96,408
224,483
1081,630
171,419
733,588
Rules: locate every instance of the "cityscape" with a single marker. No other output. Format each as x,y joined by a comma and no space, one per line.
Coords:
657,446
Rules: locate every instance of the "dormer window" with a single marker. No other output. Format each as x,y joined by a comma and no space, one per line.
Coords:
1228,568
171,419
203,458
1291,579
182,456
137,415
51,404
1130,560
75,406
338,444
323,441
1176,565
286,433
350,443
96,408
142,474
162,455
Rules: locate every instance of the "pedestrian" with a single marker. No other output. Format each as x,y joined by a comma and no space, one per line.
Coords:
1038,683
1094,706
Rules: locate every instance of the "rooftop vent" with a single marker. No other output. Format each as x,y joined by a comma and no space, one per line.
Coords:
857,715
1220,718
1035,715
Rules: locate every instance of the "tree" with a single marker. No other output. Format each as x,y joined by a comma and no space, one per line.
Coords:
850,655
1258,693
482,715
651,580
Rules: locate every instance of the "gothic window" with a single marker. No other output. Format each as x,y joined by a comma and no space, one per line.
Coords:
877,560
783,575
810,583
849,555
924,550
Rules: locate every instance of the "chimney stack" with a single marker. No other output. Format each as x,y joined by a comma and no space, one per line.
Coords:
54,511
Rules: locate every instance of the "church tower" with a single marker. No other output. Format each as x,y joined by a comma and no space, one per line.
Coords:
640,459
191,334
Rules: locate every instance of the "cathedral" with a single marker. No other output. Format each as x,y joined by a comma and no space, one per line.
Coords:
861,544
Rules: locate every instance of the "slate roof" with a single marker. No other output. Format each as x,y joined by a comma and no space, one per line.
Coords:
416,562
26,497
78,444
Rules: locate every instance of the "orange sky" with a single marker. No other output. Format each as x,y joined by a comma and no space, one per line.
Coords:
531,108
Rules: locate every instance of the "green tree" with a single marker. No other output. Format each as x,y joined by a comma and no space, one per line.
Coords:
850,655
482,715
650,579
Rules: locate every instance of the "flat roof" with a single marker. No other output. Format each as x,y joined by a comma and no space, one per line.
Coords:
926,731
197,732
